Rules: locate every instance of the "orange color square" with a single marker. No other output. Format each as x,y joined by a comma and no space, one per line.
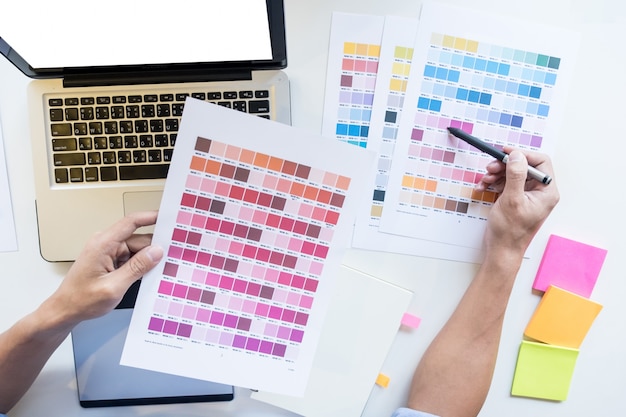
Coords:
261,160
310,192
343,183
431,186
197,163
212,167
297,189
275,164
246,156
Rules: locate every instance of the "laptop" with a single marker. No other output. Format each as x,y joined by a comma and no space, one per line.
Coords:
109,84
102,382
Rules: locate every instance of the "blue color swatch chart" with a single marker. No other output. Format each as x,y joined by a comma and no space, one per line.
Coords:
504,91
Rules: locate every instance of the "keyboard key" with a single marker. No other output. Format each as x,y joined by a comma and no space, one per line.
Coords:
86,113
163,110
139,157
108,174
57,115
87,101
154,155
246,94
150,98
124,157
156,125
80,129
108,158
143,172
171,125
103,100
225,104
147,111
132,112
110,128
199,96
94,158
60,175
177,109
214,96
117,112
95,128
119,99
135,99
141,126
126,126
71,113
166,97
55,102
61,129
85,144
61,145
76,175
115,142
91,174
69,159
230,95
259,106
161,141
102,113
100,142
145,141
167,155
240,106
261,94
71,101
131,141
181,96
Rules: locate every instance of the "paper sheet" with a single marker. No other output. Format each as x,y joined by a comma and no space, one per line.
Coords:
352,348
254,218
499,79
8,237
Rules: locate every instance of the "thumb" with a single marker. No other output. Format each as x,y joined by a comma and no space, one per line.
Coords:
516,172
140,263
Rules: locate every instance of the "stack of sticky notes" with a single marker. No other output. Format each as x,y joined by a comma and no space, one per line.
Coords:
567,275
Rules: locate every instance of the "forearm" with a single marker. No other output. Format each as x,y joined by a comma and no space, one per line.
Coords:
454,375
25,349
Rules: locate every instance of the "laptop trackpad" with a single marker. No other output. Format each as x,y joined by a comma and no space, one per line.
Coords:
142,201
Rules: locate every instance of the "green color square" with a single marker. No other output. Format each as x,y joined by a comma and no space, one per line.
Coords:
508,53
519,55
554,62
531,58
544,371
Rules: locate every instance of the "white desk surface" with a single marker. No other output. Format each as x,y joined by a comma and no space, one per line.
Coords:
588,161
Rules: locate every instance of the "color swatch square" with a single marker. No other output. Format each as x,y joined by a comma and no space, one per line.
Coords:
571,265
544,371
562,318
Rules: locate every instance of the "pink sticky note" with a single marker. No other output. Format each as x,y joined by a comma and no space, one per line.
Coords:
411,321
570,265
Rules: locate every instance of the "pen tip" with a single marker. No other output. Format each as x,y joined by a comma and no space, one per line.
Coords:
450,128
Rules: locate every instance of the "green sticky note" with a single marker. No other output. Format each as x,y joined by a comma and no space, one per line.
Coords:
544,371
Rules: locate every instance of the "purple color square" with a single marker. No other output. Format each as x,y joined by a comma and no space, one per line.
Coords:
283,333
170,327
203,258
417,134
290,261
175,252
276,258
279,350
194,294
165,287
240,286
296,335
301,319
180,291
217,318
231,265
156,324
262,310
253,344
190,255
275,312
244,324
536,141
184,330
239,342
344,97
346,81
170,269
194,238
288,315
266,347
230,321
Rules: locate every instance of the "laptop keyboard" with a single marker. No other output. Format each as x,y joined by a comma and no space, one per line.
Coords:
127,137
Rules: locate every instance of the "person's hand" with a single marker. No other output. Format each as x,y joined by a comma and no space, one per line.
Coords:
108,265
523,203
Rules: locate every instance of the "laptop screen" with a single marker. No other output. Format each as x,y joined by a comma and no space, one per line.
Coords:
74,34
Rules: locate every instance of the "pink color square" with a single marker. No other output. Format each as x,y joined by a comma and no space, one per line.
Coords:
194,294
180,291
198,221
226,283
311,285
208,186
321,251
190,255
212,279
203,258
248,306
259,217
293,299
288,315
175,252
446,172
262,309
360,65
236,248
306,301
443,123
263,255
189,312
183,217
246,213
319,214
456,123
240,286
347,64
212,336
295,245
570,265
372,67
306,210
275,312
298,281
296,336
165,287
301,319
285,278
308,248
283,333
175,309
179,235
271,275
253,289
160,306
420,119
222,189
469,176
414,151
203,315
212,224
432,121
467,127
316,268
457,175
326,234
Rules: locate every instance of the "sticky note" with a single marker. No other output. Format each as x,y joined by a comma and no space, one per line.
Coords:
544,371
411,321
562,318
382,380
571,265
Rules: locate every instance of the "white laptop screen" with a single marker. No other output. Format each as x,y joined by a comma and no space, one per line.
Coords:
79,33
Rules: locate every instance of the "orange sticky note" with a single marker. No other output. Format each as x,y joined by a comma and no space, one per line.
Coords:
562,318
382,380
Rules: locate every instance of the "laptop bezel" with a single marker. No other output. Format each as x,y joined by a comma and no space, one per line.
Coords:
275,12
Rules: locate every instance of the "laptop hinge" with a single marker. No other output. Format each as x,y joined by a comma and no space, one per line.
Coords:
153,77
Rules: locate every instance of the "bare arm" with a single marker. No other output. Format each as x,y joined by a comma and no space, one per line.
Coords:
454,375
94,285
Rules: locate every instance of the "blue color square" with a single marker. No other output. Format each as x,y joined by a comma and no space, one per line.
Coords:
489,83
554,62
508,53
500,85
494,117
550,78
535,92
527,74
543,110
365,131
482,114
453,76
441,74
532,108
342,129
481,64
485,99
389,132
503,69
450,92
391,116
423,103
367,115
512,87
516,121
473,96
435,105
492,67
462,93
445,57
539,77
438,89
379,195
355,114
505,119
429,71
457,60
523,90
362,144
468,62
354,130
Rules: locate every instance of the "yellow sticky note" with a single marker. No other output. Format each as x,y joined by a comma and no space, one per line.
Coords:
382,380
562,318
544,371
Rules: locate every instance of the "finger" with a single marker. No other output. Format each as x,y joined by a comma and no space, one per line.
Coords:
516,172
136,242
138,265
125,227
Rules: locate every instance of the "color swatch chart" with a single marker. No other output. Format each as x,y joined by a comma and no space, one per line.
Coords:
501,94
354,68
247,253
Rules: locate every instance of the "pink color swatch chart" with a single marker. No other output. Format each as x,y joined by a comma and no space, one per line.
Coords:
252,235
